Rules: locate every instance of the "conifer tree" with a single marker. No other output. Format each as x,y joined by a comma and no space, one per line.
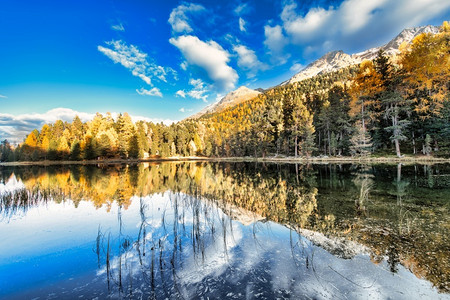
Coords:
134,150
75,150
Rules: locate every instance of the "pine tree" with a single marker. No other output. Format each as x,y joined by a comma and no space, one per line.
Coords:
90,148
104,145
75,150
134,150
361,142
5,151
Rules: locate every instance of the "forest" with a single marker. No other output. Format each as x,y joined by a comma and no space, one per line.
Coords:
388,106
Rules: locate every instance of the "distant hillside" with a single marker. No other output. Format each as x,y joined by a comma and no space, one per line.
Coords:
231,99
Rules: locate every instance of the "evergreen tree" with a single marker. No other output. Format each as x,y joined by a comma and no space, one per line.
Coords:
134,150
90,148
104,145
6,151
361,142
75,150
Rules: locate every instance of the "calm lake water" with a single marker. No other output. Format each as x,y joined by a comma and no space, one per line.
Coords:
225,231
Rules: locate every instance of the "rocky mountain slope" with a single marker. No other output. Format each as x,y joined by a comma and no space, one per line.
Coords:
231,99
336,60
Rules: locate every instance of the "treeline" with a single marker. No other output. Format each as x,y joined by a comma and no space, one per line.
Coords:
105,137
388,105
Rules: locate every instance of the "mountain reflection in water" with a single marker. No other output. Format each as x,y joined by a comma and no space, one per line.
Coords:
225,230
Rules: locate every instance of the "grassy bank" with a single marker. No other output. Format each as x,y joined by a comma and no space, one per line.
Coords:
324,159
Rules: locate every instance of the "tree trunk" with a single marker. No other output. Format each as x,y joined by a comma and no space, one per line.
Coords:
363,124
329,142
397,148
319,139
296,145
399,179
396,132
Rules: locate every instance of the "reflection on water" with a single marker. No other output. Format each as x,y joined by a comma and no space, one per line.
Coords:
234,230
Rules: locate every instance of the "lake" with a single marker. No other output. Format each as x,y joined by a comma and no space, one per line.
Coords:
199,230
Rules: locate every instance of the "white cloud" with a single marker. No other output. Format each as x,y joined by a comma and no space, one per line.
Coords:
153,120
184,65
152,92
209,56
185,110
178,18
199,91
136,61
242,8
296,67
118,27
181,94
242,25
276,41
15,128
304,28
248,61
3,96
369,22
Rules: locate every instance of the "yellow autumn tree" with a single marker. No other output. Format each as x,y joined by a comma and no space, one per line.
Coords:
32,139
426,63
63,146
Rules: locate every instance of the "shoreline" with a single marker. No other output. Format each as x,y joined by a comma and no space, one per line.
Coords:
269,159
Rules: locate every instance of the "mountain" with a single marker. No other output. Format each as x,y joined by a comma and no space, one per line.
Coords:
231,99
330,62
336,60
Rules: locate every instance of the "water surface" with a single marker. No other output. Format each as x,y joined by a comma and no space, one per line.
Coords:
225,230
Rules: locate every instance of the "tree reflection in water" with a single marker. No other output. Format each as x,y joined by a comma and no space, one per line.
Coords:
199,231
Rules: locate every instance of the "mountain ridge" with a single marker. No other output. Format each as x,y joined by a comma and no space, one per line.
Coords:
335,60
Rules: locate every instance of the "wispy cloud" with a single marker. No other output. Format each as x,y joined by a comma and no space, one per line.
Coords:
137,61
296,67
3,96
152,92
276,41
370,22
209,56
181,94
184,65
15,128
199,91
118,27
179,20
242,25
185,110
241,9
248,60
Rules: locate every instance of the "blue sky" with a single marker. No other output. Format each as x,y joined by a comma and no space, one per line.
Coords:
165,60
